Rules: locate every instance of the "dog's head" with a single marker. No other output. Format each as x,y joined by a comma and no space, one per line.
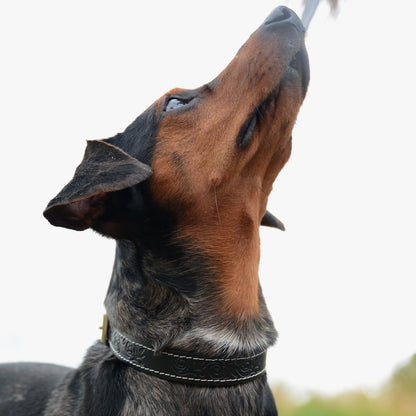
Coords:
201,157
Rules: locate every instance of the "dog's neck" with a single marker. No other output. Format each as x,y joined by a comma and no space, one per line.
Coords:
170,298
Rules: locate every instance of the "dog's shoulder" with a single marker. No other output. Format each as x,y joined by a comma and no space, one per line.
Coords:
78,395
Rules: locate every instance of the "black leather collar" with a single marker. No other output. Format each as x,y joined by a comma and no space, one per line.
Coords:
187,368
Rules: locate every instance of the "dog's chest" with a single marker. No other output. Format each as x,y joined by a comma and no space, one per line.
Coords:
158,397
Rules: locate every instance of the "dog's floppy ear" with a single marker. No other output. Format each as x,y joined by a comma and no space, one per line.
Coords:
105,168
269,220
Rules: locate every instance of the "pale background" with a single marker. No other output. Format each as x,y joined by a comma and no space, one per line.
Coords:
339,282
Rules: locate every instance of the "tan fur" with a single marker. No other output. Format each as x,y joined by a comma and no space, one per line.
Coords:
218,190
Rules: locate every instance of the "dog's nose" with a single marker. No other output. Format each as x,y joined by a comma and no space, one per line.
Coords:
282,16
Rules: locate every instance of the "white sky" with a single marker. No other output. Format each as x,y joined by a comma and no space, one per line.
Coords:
339,281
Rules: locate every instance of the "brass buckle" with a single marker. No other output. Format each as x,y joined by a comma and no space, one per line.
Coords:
104,330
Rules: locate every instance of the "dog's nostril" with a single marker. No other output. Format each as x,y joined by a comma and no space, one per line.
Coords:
281,15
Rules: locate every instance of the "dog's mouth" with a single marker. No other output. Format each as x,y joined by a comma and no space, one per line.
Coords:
253,121
298,72
247,131
300,63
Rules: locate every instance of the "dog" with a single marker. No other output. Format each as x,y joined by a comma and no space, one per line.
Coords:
183,191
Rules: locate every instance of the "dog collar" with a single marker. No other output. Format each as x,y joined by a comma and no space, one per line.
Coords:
186,368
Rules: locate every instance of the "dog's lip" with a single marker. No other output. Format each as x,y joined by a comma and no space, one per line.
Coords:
247,130
298,68
253,121
300,65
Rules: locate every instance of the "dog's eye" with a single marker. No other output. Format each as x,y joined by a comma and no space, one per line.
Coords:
174,103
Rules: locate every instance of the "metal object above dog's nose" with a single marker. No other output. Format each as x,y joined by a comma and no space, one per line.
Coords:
283,15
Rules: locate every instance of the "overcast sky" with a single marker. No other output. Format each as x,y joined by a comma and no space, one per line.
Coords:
339,282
